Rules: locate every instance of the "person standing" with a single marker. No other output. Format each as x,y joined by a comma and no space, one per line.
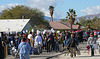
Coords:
1,48
30,37
72,45
60,42
48,42
81,36
38,39
57,42
63,36
16,42
52,41
90,42
98,41
24,49
38,42
44,41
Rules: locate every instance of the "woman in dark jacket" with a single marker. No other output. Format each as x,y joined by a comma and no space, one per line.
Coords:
48,42
1,50
72,45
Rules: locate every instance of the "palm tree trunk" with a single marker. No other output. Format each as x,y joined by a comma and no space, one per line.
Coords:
71,27
52,18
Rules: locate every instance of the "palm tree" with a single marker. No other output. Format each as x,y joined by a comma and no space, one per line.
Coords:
71,17
51,9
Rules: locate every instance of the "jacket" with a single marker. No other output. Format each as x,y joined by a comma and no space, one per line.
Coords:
91,41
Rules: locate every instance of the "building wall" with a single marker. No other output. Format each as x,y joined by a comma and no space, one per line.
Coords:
27,26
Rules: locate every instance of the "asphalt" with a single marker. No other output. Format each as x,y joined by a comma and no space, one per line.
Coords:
44,55
61,55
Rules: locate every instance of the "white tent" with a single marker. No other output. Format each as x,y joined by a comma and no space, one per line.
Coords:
13,25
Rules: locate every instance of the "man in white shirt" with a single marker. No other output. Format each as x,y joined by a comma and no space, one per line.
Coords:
38,42
30,37
90,42
38,39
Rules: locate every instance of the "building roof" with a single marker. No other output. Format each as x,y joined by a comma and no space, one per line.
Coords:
73,26
12,24
62,25
58,25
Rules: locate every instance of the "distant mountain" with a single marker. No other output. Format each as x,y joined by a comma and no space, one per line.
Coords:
49,18
0,13
88,17
85,17
60,20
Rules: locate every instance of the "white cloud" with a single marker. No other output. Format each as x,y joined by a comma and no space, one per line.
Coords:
43,5
2,7
91,10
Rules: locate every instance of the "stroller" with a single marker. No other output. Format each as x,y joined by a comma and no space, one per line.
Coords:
14,52
37,49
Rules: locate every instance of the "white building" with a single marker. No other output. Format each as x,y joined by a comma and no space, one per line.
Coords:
13,25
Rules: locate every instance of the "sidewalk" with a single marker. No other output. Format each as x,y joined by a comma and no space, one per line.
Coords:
61,55
83,55
44,55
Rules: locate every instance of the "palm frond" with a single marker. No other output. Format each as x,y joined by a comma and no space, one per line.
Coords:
74,12
68,13
66,16
70,10
75,15
51,8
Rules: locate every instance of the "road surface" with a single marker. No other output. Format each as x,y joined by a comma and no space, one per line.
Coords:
61,55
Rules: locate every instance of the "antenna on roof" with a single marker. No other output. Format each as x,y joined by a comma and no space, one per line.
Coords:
22,17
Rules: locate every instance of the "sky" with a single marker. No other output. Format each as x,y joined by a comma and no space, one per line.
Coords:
61,7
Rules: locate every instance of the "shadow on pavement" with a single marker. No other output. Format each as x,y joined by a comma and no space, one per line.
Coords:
38,56
89,56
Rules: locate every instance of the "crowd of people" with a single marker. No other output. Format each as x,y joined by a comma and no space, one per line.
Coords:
55,41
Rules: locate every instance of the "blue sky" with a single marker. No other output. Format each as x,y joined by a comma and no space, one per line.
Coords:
82,7
78,5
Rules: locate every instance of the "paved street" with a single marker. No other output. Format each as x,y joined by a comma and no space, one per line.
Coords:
83,55
44,55
61,55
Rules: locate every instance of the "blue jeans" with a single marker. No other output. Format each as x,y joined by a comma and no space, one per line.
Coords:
57,47
92,50
24,56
